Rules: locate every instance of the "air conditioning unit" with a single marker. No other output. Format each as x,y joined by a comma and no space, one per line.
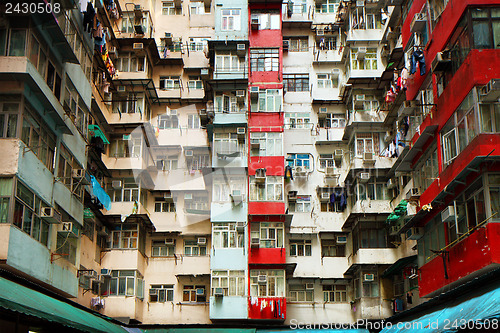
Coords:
121,88
300,171
260,175
441,62
413,193
236,196
204,72
105,272
418,22
173,112
491,91
359,101
336,71
309,286
50,215
116,184
341,239
188,196
255,242
368,277
292,195
240,94
67,229
200,291
138,46
368,157
360,3
364,177
240,226
414,233
448,214
323,110
262,279
360,55
78,173
407,108
241,49
202,241
254,144
153,292
286,44
169,241
254,92
188,153
240,131
320,32
167,195
254,22
329,171
93,275
338,154
325,196
84,281
137,8
218,292
391,183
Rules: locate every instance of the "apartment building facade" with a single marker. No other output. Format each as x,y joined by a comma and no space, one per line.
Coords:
249,162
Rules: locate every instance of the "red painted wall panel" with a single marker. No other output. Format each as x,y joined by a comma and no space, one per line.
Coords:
266,208
272,308
267,256
274,165
477,251
265,119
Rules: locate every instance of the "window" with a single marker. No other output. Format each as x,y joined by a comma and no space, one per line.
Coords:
163,248
301,205
269,101
88,229
437,7
368,62
127,192
126,146
195,83
328,81
231,282
270,190
68,163
264,60
274,286
161,293
299,293
269,19
295,82
198,44
166,163
125,283
193,121
330,248
128,103
26,215
170,82
192,248
369,235
299,7
489,118
228,103
166,121
192,293
299,120
75,108
223,187
17,43
162,206
367,143
333,121
168,8
363,18
364,286
66,245
372,190
198,8
326,161
327,43
299,160
494,196
125,236
300,248
130,62
270,143
229,62
271,234
37,53
199,202
225,235
427,171
298,44
54,80
327,6
335,293
227,144
9,111
231,20
35,134
434,236
198,161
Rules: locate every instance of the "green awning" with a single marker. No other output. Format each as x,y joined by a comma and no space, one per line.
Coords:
16,297
94,130
400,210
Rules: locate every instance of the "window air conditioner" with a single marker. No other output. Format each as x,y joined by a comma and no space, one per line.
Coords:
414,233
236,196
202,241
325,196
67,226
339,153
168,35
341,239
240,226
240,47
50,215
364,177
254,91
360,55
169,241
440,62
116,184
173,112
292,195
368,277
105,272
262,279
240,94
153,292
368,157
260,175
188,153
360,3
240,131
188,196
320,32
255,242
418,22
200,291
448,214
329,171
336,71
413,193
254,143
309,286
121,88
323,110
491,91
218,292
138,46
112,49
254,22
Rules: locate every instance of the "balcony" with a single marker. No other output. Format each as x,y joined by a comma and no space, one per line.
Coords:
381,256
228,307
230,73
229,211
231,159
326,95
257,310
171,54
297,15
22,254
358,117
268,256
329,56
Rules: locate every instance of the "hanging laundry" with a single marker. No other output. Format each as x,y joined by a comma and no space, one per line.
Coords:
88,17
417,58
404,78
288,172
